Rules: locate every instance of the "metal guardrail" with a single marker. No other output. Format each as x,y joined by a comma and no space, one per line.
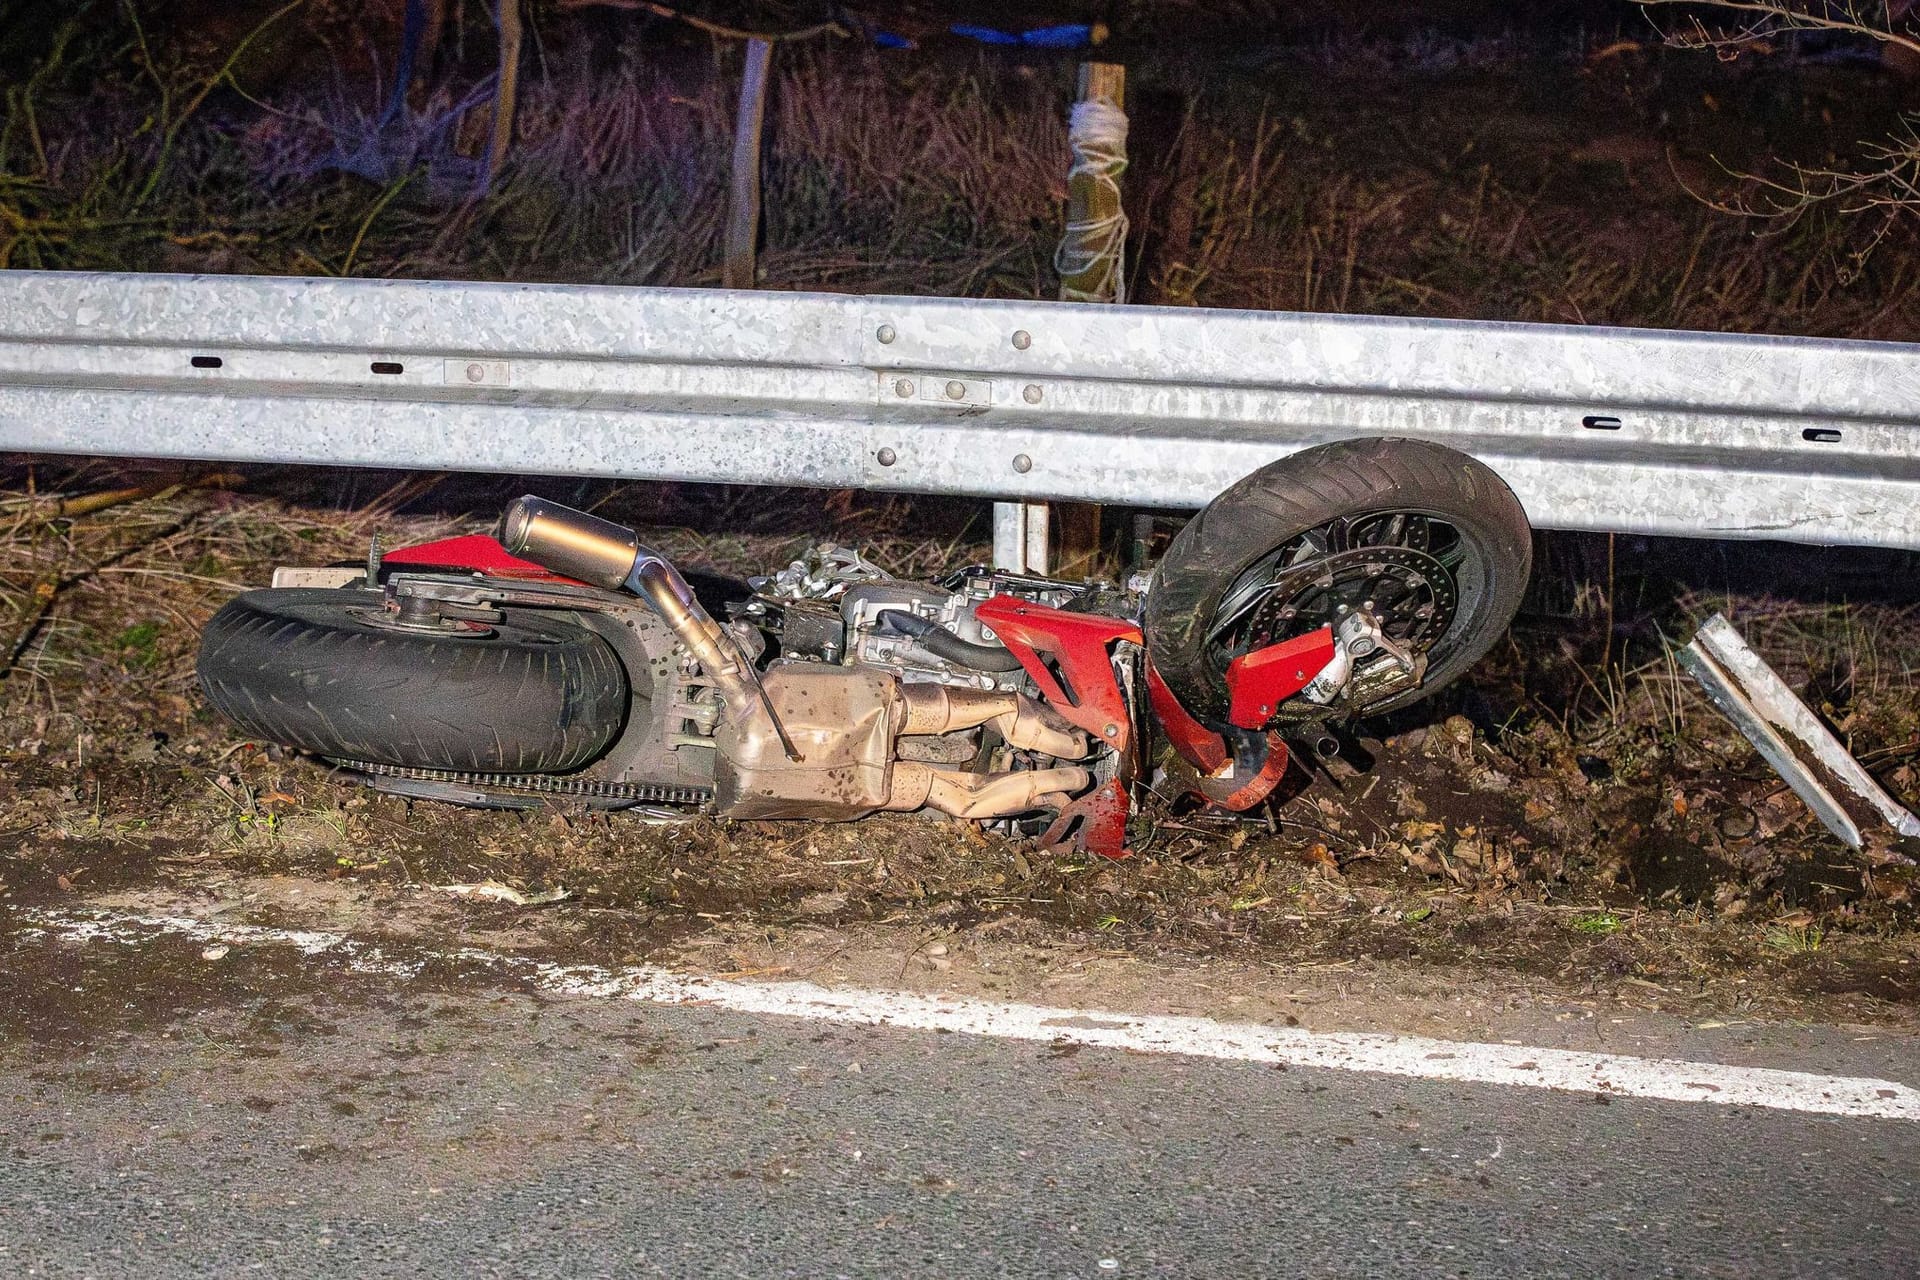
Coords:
1786,732
1636,431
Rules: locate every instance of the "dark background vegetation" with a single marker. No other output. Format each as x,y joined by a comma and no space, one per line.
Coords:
1545,161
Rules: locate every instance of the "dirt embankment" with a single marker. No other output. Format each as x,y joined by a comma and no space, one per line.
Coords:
1573,814
1573,818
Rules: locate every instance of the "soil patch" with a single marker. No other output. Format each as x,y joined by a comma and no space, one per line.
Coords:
1573,815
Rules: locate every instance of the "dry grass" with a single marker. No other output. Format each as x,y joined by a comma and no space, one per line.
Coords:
1502,179
1858,664
1489,851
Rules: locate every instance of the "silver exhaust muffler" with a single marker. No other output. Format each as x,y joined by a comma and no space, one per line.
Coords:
611,556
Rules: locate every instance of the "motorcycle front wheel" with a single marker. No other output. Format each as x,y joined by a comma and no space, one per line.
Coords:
1427,540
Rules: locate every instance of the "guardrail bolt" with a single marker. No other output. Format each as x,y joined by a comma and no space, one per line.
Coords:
956,390
1022,339
903,387
886,457
1022,463
885,333
1031,393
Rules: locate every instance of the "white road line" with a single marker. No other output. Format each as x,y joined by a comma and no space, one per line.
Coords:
1416,1057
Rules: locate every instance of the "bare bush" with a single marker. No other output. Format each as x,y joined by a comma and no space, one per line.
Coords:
1884,180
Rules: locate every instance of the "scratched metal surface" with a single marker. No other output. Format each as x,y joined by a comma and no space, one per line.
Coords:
1641,431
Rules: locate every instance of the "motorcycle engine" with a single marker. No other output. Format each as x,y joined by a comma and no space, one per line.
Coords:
836,608
920,632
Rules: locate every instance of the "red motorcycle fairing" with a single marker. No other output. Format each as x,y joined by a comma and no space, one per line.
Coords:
1240,775
1258,682
1232,779
478,552
1070,657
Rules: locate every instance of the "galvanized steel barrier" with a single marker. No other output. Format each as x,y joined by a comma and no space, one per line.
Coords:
1637,431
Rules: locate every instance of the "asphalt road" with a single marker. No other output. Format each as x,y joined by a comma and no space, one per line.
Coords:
276,1118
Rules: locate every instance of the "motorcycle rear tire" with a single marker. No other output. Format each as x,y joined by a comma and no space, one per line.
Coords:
315,669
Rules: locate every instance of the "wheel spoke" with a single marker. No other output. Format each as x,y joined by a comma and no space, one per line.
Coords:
1254,586
1340,535
1388,594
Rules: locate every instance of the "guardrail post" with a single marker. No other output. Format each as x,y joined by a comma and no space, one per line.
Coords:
1020,536
1093,268
743,201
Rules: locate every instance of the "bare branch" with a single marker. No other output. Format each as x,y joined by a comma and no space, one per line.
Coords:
711,28
1886,183
1763,19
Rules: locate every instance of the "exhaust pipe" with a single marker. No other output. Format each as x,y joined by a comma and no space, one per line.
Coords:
571,542
612,556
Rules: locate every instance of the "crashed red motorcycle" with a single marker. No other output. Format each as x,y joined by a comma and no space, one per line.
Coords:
564,662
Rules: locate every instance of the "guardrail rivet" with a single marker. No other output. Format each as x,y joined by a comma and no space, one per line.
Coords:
956,390
903,387
476,372
885,333
886,457
1022,463
1031,393
1022,339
